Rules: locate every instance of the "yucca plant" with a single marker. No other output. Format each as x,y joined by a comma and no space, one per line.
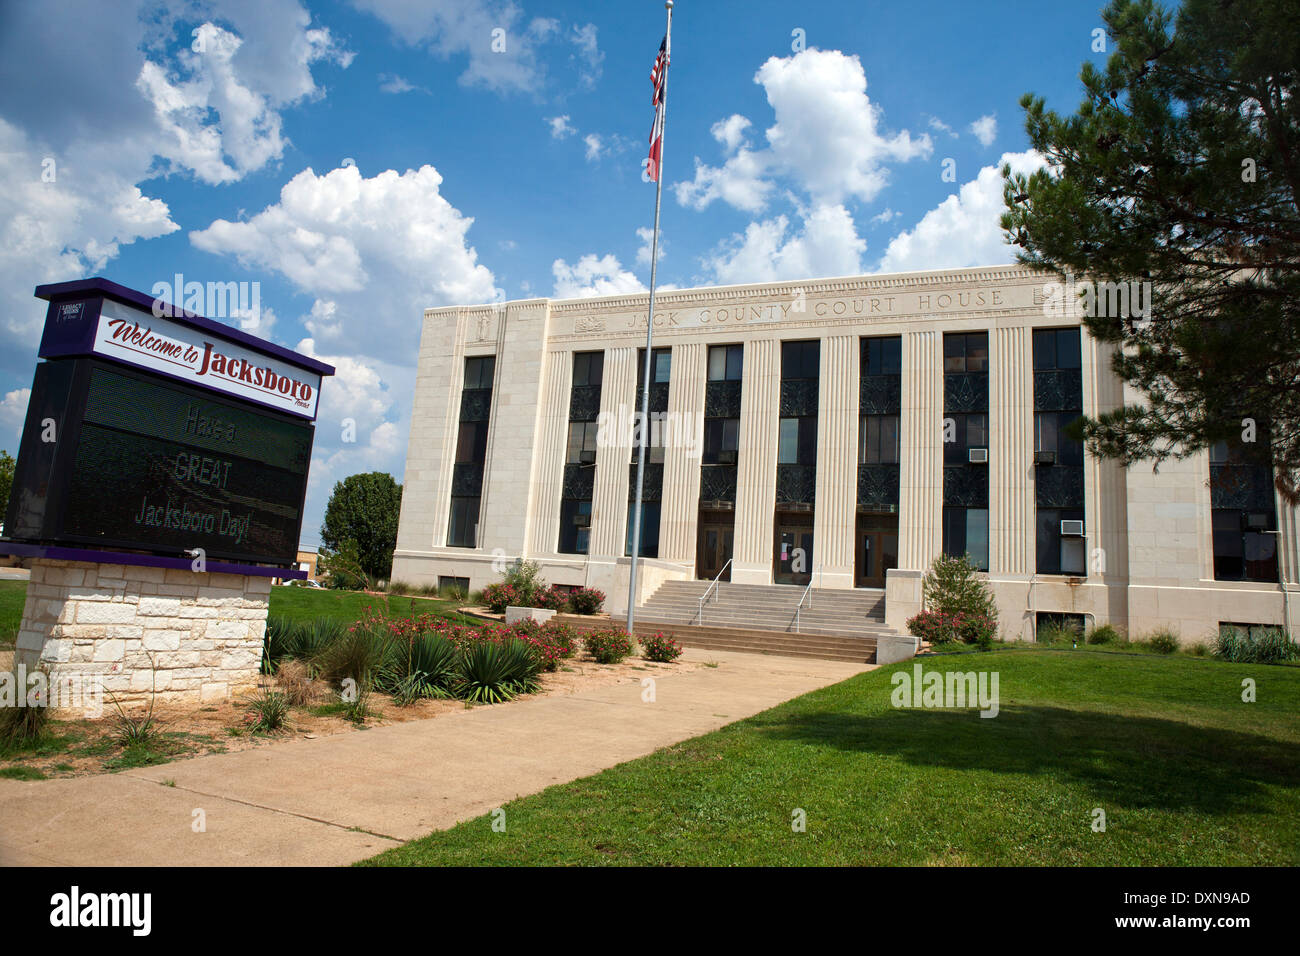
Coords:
359,653
492,672
24,723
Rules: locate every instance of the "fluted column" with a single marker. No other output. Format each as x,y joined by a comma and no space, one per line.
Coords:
756,464
431,451
680,512
1105,512
609,508
1012,539
835,518
548,463
921,466
1288,522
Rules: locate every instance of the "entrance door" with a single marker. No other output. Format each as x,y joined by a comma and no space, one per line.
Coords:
877,549
716,536
794,554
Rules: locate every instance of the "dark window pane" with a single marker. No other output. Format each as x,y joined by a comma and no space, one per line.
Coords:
1044,349
735,362
1068,349
717,363
977,352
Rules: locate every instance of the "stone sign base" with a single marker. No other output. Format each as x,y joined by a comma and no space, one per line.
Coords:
191,637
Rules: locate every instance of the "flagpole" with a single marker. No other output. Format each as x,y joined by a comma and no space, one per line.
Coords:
649,340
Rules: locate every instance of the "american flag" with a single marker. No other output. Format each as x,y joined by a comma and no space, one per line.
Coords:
658,80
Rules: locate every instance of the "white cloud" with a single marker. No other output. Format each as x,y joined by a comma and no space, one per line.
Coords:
827,139
589,54
13,412
643,252
730,132
885,215
502,51
374,253
592,276
392,83
940,126
964,229
560,128
827,245
985,129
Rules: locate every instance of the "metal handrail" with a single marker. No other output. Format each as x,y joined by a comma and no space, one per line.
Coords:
807,593
700,614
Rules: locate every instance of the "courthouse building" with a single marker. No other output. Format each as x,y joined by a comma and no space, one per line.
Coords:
840,431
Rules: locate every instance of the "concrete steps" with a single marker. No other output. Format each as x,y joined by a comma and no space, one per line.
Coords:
832,612
857,650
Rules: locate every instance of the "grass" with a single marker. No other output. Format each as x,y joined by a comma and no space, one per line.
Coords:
1186,772
13,594
306,604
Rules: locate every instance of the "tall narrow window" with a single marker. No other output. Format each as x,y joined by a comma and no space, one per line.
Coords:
470,451
580,453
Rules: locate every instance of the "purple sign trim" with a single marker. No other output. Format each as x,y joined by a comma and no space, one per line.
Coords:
57,553
99,286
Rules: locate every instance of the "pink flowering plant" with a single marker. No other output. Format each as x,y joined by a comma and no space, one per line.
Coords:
660,647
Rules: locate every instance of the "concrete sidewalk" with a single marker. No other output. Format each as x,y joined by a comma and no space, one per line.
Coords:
338,799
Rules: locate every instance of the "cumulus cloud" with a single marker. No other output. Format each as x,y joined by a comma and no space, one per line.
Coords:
828,138
589,54
592,276
73,157
964,229
374,252
770,251
985,129
643,252
392,83
939,126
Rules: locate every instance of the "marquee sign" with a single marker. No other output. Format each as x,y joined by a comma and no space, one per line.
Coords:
129,327
162,435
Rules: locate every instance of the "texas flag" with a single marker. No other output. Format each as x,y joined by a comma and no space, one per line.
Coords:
659,80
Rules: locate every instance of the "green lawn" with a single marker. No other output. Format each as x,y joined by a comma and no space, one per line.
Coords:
302,604
12,596
1186,773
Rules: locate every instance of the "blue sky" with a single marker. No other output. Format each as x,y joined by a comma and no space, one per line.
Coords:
365,160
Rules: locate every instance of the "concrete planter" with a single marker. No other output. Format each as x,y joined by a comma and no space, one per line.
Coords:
536,614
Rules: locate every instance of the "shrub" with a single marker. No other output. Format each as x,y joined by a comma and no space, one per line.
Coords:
552,599
1104,634
562,636
418,666
952,588
586,600
526,579
1269,646
399,588
497,597
1163,642
608,645
939,627
660,647
268,711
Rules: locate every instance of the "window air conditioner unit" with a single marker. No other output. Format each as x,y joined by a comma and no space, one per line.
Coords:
582,521
1072,529
1254,522
587,457
978,456
1044,458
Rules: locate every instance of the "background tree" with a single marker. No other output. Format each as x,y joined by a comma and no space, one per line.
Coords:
361,521
6,480
1181,168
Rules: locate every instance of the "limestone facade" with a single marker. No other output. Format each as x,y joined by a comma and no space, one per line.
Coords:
1147,534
